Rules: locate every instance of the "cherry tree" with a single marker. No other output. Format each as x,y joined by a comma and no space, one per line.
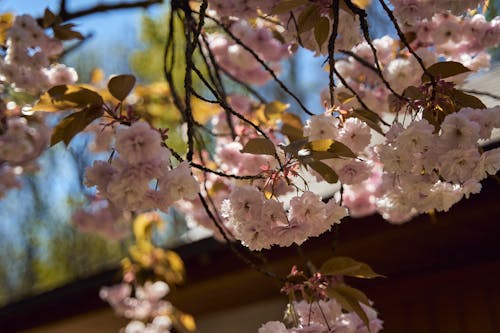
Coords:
397,136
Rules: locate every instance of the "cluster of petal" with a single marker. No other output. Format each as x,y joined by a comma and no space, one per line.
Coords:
239,62
147,305
127,181
27,61
324,317
424,170
104,219
260,223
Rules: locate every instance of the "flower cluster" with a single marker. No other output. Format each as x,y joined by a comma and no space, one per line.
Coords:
425,170
240,63
103,218
260,223
323,317
147,305
28,57
127,181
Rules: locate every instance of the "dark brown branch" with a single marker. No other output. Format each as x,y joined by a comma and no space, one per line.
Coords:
366,34
232,245
66,16
331,50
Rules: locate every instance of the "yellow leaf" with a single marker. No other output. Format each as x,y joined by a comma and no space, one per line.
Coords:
96,76
203,111
320,145
275,110
6,21
188,322
361,3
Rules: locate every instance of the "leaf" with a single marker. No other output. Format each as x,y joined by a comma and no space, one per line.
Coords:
74,124
49,18
465,100
330,146
6,21
66,32
349,267
67,97
320,145
413,93
325,171
259,146
321,30
286,6
361,3
341,149
292,126
121,85
350,299
294,147
369,117
275,109
344,97
292,133
308,18
445,69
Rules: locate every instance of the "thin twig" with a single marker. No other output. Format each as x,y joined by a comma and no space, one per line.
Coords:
66,16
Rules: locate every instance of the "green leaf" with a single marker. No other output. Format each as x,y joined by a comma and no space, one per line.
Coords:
350,298
259,146
308,18
445,69
74,124
286,6
465,100
325,171
349,267
370,118
321,30
67,97
121,85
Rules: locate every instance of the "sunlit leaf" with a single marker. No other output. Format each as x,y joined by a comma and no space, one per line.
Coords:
287,5
202,111
259,146
325,171
67,97
444,70
349,267
121,85
320,145
361,3
96,75
275,110
74,124
6,21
